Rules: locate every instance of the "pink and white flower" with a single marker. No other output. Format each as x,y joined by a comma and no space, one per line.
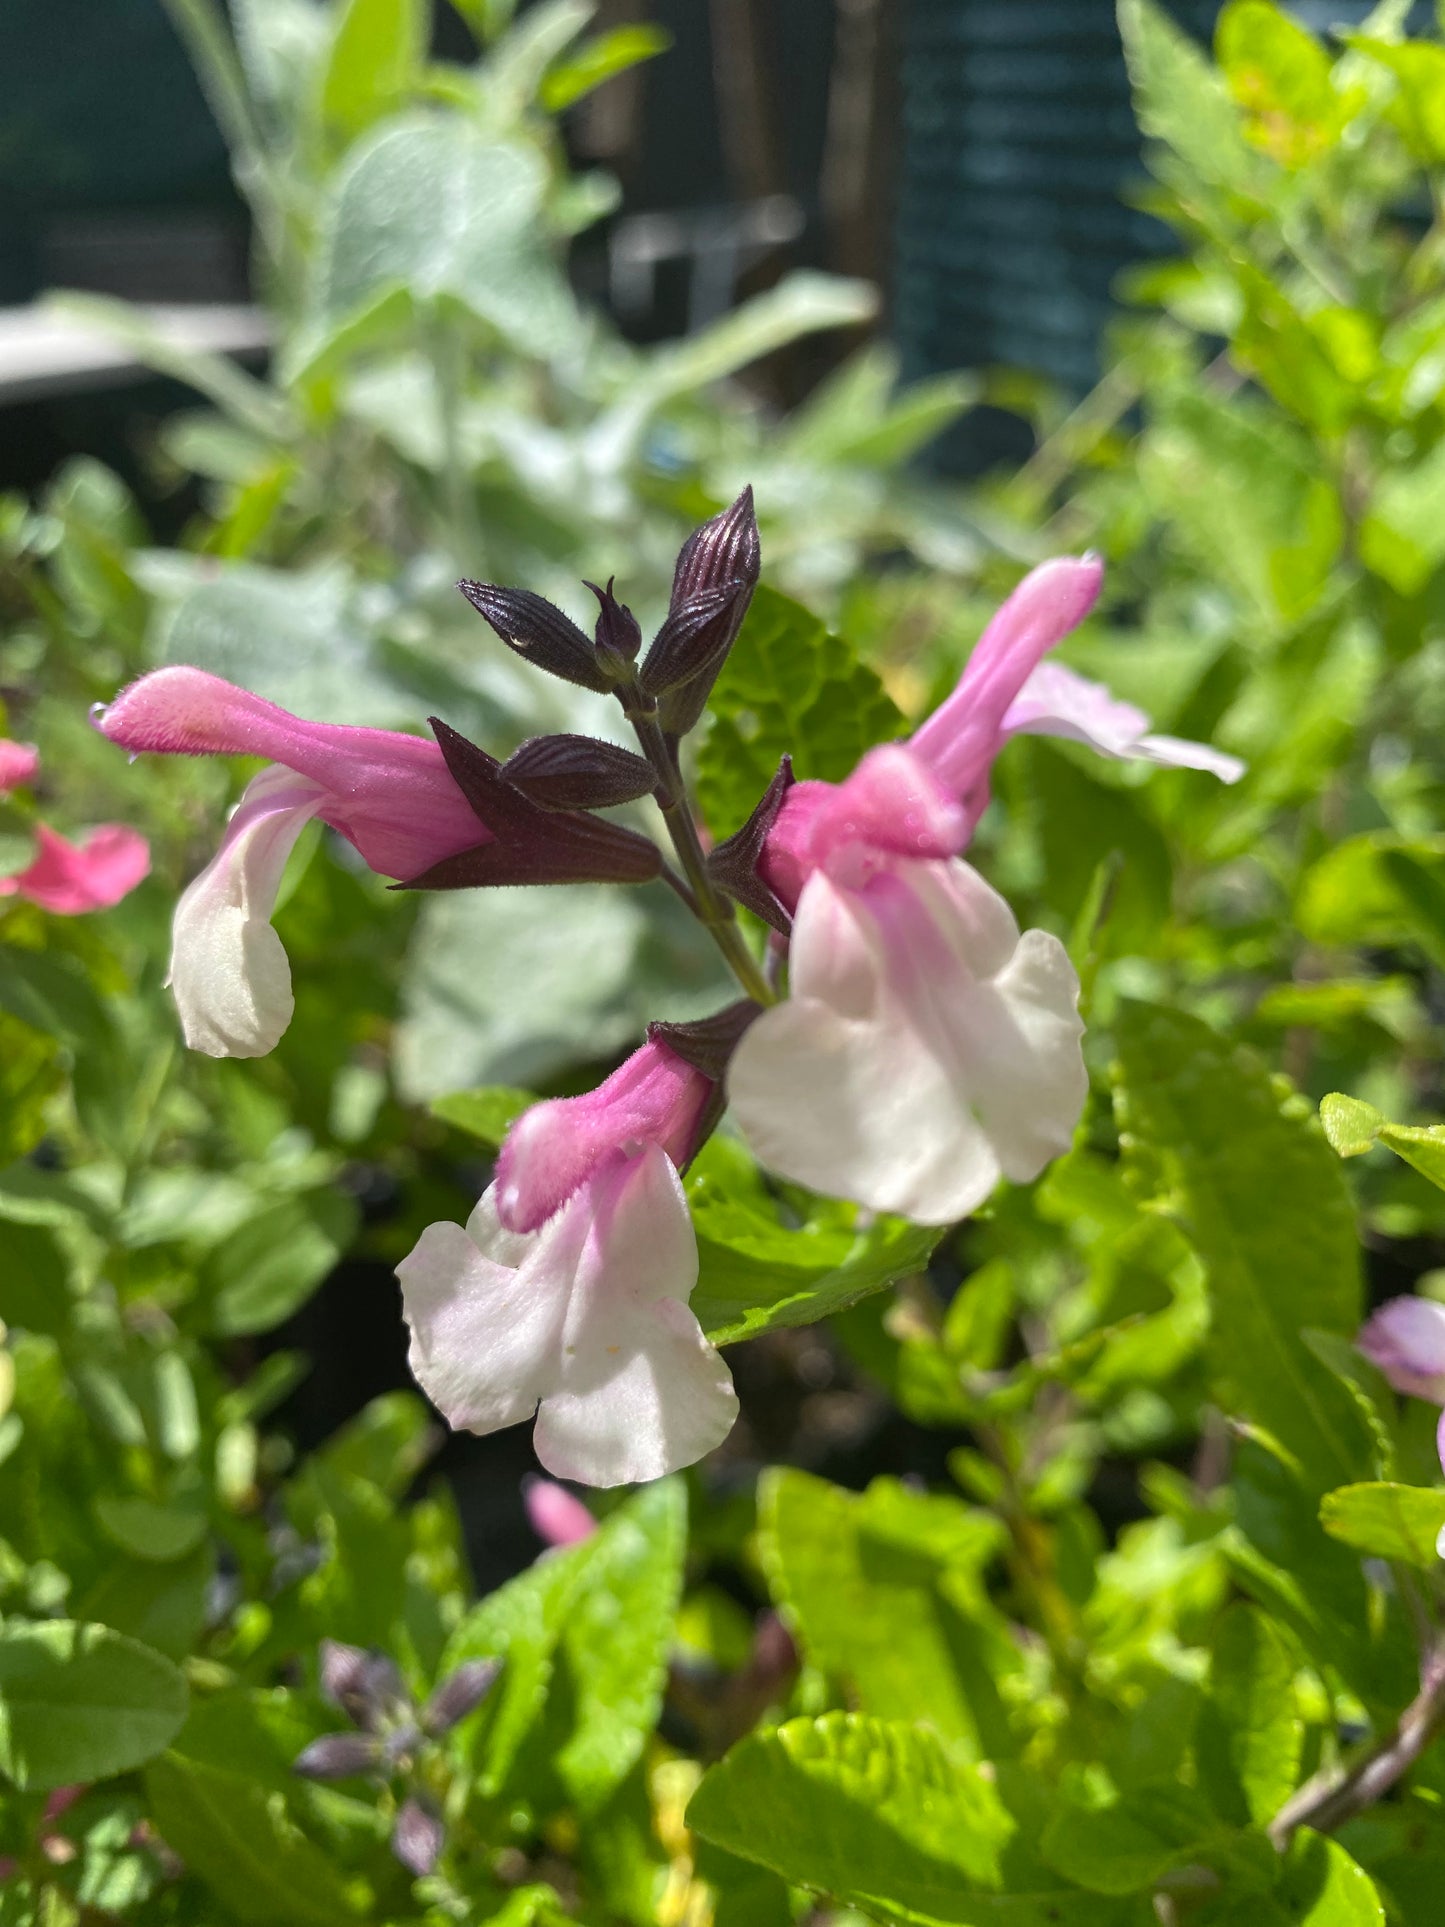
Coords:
389,794
1406,1340
927,1048
582,1317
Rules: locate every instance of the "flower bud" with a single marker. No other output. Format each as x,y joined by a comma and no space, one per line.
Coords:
693,640
734,864
1406,1339
343,1675
707,1043
578,773
417,1838
726,549
724,554
459,1694
538,631
555,1514
338,1756
618,635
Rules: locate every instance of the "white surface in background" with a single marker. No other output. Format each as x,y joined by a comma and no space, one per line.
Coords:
45,352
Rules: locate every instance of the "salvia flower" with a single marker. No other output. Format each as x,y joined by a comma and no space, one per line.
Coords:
566,1294
926,1047
387,793
1406,1340
556,1515
69,879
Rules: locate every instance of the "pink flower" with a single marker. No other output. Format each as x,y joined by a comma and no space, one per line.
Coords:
926,1048
19,763
1406,1339
1007,690
555,1514
584,1323
69,879
389,794
581,1315
552,1149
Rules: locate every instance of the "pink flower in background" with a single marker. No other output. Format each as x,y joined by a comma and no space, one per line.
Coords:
580,1316
69,879
18,765
389,794
555,1514
1406,1339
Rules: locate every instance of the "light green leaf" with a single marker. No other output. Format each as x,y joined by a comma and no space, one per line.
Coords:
487,1114
148,1529
1419,70
876,1814
163,1606
758,1272
614,1641
1321,1886
428,208
1280,75
1402,538
1353,1127
375,56
270,1265
17,841
875,1585
1354,894
1251,1684
238,1838
1266,1206
1180,99
599,60
78,1703
788,688
1387,1521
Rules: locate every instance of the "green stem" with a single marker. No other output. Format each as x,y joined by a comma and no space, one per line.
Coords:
713,909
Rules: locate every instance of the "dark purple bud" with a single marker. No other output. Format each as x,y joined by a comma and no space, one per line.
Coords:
343,1672
724,553
461,1693
338,1756
724,550
693,640
707,1043
618,632
733,864
578,773
531,845
538,631
417,1838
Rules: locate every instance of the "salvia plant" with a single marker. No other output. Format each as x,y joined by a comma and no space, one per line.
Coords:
1032,1520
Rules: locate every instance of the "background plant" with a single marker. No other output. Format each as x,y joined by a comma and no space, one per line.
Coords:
1164,1642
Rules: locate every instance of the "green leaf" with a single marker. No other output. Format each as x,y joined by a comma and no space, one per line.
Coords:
1419,70
163,1606
430,208
17,841
1353,1127
1179,98
374,58
270,1265
614,1641
35,1282
1251,1684
599,60
1125,1848
79,1702
1266,1207
238,1838
1359,892
1401,538
149,1530
1387,1521
487,1114
1320,1886
1280,75
758,1273
788,688
874,1813
882,1590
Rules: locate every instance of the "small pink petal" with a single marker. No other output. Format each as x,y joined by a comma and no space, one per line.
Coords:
963,735
70,879
19,763
553,1148
555,1514
1056,701
1406,1340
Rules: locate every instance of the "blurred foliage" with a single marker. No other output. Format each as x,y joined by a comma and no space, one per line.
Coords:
1185,1567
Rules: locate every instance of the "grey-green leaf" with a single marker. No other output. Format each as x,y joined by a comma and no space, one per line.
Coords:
80,1702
